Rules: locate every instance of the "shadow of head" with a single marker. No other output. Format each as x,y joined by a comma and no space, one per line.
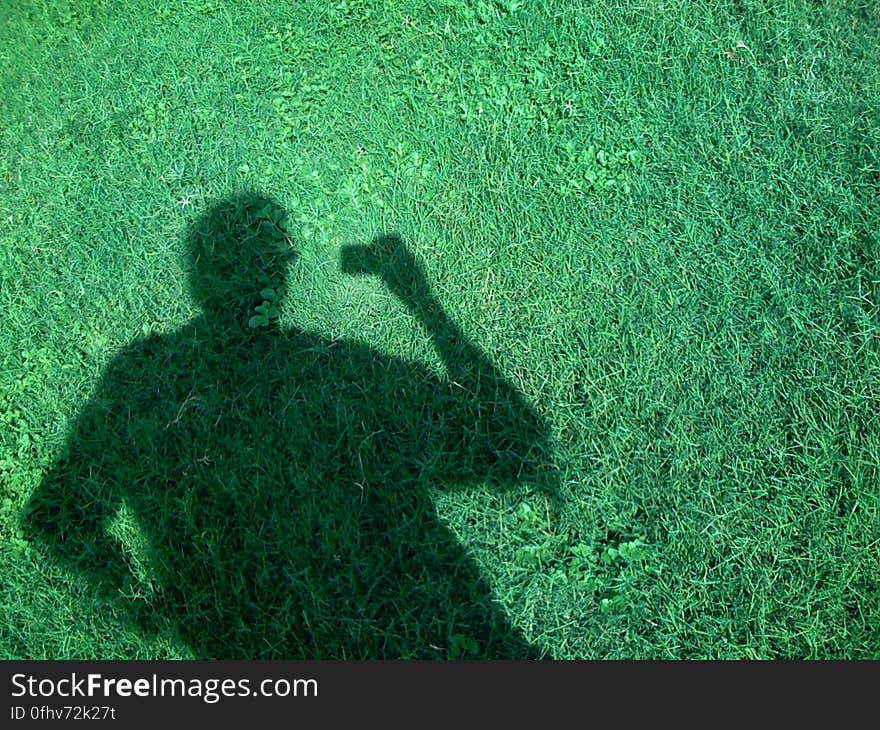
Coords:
236,251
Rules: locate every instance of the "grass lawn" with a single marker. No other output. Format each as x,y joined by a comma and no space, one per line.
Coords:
606,384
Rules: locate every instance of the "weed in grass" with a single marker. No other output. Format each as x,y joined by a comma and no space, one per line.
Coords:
280,480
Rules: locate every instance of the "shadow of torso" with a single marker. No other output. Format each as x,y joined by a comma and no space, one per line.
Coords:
281,485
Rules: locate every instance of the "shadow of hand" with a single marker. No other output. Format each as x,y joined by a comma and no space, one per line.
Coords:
390,259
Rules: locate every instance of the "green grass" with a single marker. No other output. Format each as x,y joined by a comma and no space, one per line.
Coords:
651,226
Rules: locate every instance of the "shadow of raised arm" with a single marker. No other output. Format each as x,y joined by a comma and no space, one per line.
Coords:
495,433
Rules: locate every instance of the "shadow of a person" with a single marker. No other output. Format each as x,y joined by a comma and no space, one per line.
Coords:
281,480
